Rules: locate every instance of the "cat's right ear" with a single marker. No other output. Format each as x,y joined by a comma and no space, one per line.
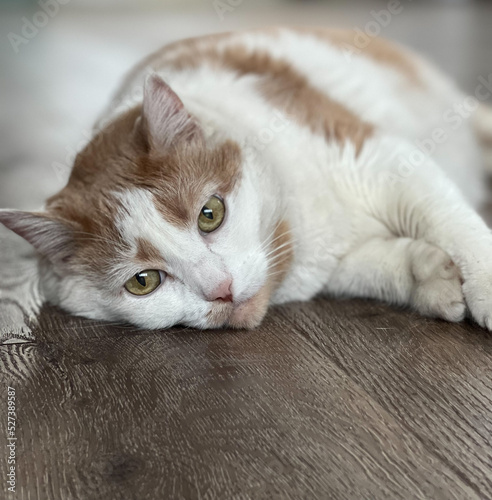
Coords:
52,238
164,119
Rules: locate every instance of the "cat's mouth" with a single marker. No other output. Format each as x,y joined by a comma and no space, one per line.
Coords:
247,314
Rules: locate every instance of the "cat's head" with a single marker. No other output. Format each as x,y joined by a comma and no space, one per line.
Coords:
161,224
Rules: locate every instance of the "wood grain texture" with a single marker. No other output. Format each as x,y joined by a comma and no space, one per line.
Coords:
331,399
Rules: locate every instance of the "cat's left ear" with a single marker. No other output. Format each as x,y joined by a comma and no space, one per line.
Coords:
52,238
164,117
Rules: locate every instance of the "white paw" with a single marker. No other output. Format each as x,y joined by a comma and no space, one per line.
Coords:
437,291
478,294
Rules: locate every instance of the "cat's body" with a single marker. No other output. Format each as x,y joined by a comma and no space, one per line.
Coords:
313,147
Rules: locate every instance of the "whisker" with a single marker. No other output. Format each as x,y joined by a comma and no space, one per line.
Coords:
274,263
285,233
275,250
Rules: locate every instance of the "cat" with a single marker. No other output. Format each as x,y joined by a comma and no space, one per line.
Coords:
240,170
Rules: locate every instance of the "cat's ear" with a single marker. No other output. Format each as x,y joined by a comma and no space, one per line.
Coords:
52,238
164,117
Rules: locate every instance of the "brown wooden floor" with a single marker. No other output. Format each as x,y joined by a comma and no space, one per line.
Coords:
330,400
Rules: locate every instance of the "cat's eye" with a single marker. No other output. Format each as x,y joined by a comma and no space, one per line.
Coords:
143,283
211,215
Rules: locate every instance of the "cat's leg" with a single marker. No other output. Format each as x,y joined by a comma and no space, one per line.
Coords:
420,202
402,271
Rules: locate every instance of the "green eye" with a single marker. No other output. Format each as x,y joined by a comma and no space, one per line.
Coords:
211,215
143,283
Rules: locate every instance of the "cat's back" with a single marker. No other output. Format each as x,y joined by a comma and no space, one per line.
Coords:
361,82
335,84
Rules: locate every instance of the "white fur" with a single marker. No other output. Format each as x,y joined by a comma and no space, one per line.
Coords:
367,225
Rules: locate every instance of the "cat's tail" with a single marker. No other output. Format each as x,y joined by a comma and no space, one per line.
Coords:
483,128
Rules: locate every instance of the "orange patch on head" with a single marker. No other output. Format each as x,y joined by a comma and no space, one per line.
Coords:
186,177
116,160
147,252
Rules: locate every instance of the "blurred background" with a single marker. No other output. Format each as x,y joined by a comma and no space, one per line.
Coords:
61,60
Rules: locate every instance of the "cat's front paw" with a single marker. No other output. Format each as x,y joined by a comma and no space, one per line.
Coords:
478,296
438,288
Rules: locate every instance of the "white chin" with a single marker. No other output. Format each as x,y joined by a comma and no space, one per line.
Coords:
247,314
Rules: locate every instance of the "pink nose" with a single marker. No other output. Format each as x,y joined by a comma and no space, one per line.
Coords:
223,292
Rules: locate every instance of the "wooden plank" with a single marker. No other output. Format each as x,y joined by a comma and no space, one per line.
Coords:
106,412
434,378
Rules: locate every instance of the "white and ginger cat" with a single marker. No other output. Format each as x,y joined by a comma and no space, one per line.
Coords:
270,166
